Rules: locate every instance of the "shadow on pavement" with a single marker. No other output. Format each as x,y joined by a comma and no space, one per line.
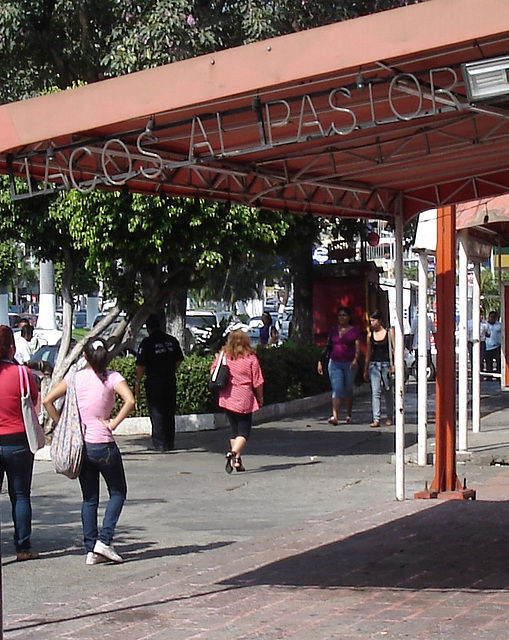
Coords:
132,553
453,546
281,441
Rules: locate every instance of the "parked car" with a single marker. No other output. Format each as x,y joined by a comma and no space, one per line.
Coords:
46,354
283,323
255,322
14,319
80,319
202,323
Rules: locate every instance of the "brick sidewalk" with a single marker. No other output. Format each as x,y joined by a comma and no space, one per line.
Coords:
416,569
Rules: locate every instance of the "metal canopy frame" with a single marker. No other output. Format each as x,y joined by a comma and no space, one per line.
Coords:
299,123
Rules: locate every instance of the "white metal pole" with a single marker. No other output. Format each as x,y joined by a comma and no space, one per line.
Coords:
476,349
4,305
47,300
422,362
463,340
399,363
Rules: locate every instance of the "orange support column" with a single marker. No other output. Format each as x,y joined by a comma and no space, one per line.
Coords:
445,484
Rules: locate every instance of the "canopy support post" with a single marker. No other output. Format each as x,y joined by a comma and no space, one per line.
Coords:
445,484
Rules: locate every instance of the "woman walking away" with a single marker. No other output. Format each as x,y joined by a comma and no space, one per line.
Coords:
379,367
16,459
242,395
344,346
95,393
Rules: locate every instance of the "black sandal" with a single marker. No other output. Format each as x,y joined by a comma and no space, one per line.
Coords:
238,464
228,467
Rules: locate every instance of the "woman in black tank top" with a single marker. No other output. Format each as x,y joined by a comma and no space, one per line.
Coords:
379,368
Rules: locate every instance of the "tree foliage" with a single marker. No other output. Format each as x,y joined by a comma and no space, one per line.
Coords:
8,262
144,249
54,43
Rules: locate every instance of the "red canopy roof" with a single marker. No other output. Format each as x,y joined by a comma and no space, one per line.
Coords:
368,117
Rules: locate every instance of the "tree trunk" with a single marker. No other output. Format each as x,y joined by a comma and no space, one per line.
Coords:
176,317
68,307
301,263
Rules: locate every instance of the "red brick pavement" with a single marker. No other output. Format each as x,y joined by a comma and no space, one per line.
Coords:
424,570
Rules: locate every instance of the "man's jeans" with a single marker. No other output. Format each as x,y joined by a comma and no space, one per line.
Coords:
380,384
101,460
17,462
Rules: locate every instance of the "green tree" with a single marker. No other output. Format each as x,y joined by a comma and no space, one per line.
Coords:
8,263
47,43
144,249
43,225
490,291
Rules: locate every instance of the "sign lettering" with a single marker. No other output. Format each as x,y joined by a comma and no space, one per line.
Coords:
279,122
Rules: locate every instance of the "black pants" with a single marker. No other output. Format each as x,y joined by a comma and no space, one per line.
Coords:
490,356
161,398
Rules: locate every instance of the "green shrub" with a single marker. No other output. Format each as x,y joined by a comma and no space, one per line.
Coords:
193,395
127,367
289,372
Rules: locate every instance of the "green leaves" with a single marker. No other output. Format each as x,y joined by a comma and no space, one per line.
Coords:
8,262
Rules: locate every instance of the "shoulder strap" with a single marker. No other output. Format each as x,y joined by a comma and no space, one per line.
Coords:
220,361
24,383
391,355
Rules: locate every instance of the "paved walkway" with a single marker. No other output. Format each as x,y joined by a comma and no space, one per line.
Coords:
423,570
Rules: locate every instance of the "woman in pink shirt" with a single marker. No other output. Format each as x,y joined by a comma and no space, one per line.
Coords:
242,395
95,393
343,353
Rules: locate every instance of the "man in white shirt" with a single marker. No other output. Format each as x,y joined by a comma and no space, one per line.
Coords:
493,343
483,332
22,342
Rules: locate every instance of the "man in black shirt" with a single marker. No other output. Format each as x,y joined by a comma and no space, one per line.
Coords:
159,356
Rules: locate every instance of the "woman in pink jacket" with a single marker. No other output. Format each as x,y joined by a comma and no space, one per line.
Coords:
242,395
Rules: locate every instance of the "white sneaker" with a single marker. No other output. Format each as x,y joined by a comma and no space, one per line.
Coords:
107,551
94,558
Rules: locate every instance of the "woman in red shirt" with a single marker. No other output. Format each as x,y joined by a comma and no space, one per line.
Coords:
242,395
16,459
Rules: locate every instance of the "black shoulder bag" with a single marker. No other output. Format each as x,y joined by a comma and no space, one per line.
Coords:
219,377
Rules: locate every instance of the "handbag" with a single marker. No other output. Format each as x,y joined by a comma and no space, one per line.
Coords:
325,355
390,374
67,441
219,377
33,429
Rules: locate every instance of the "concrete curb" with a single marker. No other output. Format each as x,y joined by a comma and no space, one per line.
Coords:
209,421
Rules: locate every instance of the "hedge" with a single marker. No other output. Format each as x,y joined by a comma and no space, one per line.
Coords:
289,371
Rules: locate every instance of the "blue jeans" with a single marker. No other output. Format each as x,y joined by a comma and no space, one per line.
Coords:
380,385
341,379
101,460
17,462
